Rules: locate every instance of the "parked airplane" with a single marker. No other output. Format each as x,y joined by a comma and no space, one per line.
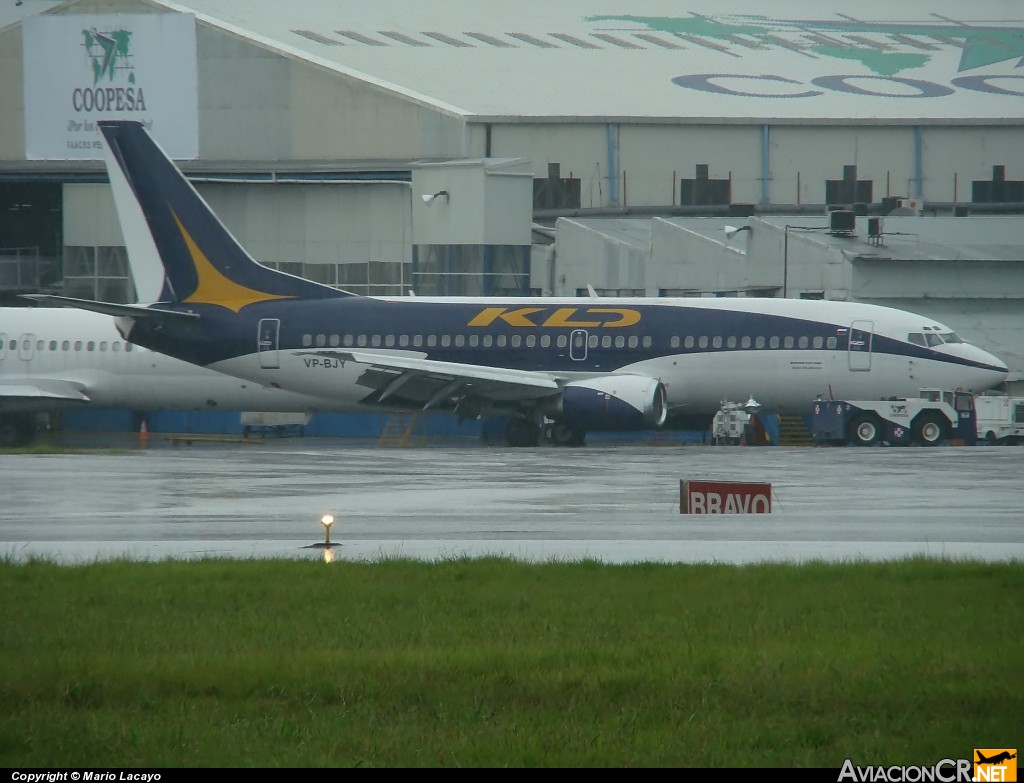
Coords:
53,359
585,363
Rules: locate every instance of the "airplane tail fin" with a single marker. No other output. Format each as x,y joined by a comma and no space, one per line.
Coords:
163,215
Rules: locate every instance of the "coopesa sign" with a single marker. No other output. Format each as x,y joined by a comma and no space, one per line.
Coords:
724,497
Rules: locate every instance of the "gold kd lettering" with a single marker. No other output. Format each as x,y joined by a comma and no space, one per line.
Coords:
560,318
512,317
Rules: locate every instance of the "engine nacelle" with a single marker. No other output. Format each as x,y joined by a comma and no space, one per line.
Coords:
611,403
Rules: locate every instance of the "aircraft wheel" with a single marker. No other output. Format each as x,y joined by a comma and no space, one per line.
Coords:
522,432
929,429
865,430
563,434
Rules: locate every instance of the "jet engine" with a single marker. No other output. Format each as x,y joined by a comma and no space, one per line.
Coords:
611,403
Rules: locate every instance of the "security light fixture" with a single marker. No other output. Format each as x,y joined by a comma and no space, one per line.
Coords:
429,198
731,231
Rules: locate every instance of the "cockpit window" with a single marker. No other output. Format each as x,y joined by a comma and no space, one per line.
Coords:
950,337
916,338
932,339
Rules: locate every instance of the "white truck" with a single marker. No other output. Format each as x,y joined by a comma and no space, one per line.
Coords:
1000,419
934,417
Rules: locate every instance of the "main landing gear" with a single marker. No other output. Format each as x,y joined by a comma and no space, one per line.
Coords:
521,431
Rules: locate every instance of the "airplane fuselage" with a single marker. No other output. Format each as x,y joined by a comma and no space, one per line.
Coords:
784,352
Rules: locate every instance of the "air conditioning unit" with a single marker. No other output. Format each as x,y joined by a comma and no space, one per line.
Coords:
915,205
842,221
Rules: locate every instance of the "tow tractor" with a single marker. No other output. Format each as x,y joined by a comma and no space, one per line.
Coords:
934,417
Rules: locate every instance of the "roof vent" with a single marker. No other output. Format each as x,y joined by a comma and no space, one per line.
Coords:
842,221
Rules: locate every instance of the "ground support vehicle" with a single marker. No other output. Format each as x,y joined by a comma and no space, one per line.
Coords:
1000,420
933,418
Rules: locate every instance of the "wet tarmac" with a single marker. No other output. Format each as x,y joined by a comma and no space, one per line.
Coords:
611,502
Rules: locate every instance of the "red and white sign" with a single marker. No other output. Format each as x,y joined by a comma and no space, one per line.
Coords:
724,497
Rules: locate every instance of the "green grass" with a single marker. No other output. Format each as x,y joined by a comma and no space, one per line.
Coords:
493,662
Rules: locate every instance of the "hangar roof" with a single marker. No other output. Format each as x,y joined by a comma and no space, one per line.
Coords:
659,60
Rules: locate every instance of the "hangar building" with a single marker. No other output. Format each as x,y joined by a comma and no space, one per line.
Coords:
458,148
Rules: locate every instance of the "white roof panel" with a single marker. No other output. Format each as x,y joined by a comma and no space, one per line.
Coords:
872,61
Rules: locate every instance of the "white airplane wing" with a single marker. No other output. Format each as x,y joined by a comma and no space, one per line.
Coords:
433,382
34,390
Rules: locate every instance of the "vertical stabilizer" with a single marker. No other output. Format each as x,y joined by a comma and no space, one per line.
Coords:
164,218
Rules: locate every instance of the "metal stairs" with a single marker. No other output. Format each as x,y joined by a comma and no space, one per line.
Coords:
793,431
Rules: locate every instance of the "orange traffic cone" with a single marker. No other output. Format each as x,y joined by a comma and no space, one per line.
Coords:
143,433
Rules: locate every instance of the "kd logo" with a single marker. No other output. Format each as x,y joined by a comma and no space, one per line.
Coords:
995,765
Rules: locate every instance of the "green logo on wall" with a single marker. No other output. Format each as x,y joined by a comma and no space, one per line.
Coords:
885,48
109,53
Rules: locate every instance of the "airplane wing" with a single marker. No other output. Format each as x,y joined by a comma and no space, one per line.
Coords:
109,308
432,382
39,392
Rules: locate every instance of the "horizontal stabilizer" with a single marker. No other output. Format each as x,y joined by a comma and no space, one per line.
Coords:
109,308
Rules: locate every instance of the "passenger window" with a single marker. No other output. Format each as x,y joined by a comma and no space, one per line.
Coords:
516,340
361,340
562,341
487,341
633,341
759,342
500,342
647,341
78,345
446,340
115,347
389,341
787,343
730,342
375,341
335,341
103,346
474,340
832,342
606,341
53,345
66,345
673,343
460,340
417,341
620,342
702,342
744,342
818,342
592,342
90,346
403,340
803,342
545,341
773,342
716,341
347,341
40,344
128,347
431,340
307,340
531,340
321,340
688,342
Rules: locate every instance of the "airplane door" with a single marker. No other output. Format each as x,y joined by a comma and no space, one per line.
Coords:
267,343
26,347
578,345
859,347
